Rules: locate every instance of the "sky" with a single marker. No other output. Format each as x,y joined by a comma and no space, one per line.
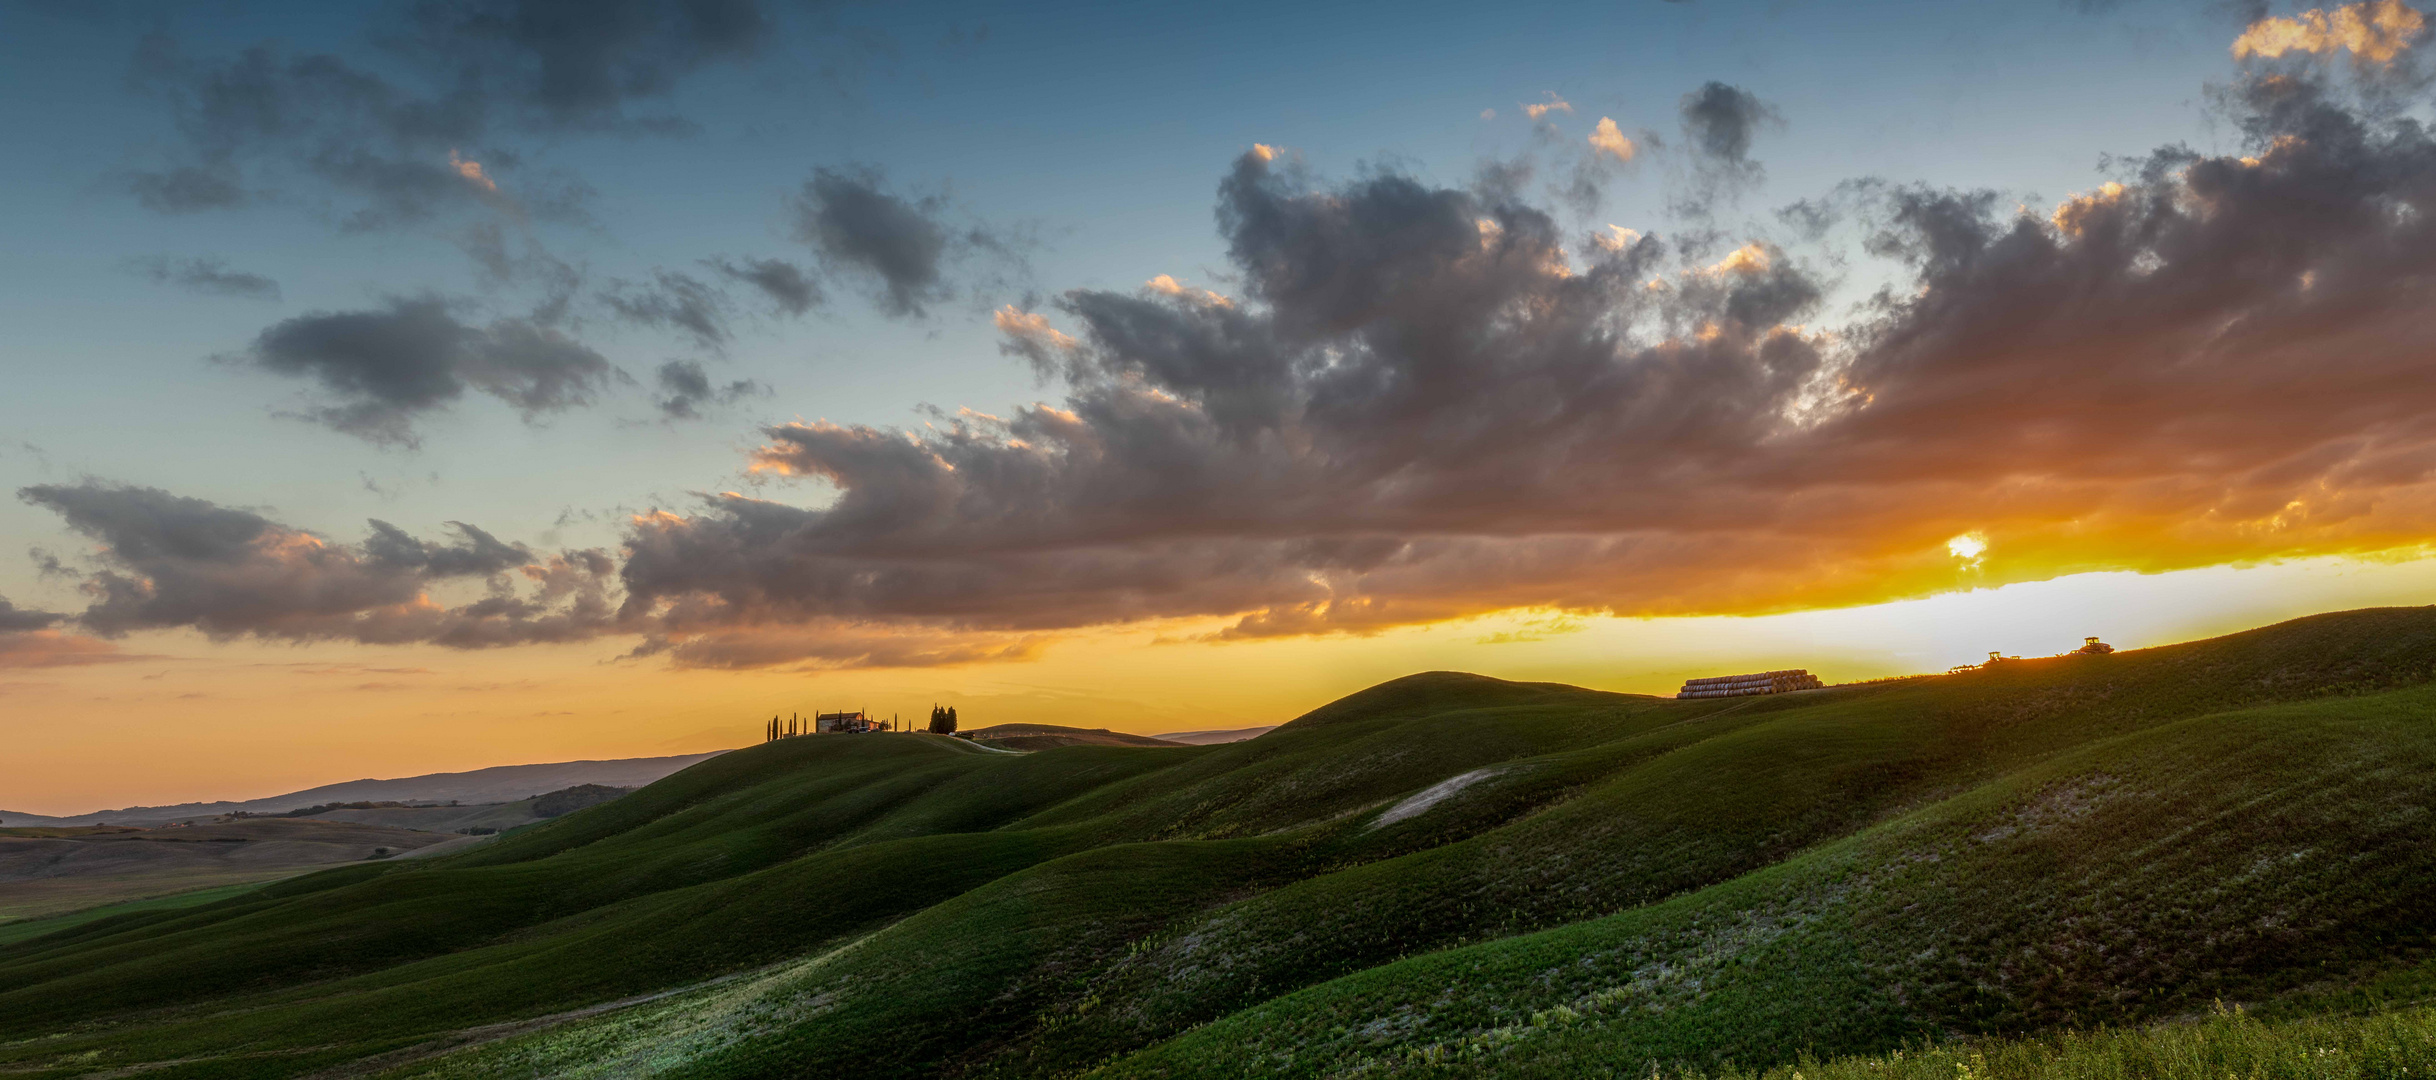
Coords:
432,384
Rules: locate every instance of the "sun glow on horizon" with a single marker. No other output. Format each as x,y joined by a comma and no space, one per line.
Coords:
246,720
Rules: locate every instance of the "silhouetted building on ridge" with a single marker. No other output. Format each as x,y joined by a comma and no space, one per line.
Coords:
842,723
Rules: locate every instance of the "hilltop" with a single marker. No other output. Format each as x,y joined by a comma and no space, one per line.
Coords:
1213,738
1045,736
1445,874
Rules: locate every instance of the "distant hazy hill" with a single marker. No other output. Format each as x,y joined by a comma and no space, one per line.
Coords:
1044,736
498,784
1444,875
1213,738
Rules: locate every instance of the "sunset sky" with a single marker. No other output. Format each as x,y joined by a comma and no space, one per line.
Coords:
418,386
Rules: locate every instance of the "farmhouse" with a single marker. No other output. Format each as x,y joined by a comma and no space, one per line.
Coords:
853,723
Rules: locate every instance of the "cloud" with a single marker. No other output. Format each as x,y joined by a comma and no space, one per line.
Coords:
1419,405
828,645
1721,119
17,620
904,247
209,276
50,648
789,290
570,64
703,310
1609,140
417,125
1719,123
170,561
686,389
471,171
1541,110
676,301
2376,32
383,368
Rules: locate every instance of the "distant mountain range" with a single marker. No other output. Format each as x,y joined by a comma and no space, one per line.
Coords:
498,784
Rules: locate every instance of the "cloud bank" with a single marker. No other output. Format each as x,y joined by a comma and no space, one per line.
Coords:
378,370
416,128
170,561
1411,402
1425,402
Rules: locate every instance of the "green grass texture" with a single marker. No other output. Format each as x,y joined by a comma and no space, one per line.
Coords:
1442,875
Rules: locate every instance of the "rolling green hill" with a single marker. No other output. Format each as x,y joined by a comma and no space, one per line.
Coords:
1050,736
1441,875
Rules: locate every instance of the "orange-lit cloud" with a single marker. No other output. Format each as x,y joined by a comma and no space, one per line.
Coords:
1166,285
1615,238
1541,110
1608,139
471,170
2376,31
51,648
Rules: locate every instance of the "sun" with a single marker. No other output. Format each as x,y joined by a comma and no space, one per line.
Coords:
1968,547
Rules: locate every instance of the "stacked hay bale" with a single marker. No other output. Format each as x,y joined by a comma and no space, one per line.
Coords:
1765,682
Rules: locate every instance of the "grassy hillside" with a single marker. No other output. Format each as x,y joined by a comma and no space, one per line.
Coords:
1049,736
1442,874
45,871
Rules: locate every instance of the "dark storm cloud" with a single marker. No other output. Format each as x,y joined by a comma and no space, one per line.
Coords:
14,619
686,390
1719,123
1720,120
904,247
384,367
1394,340
209,276
421,124
789,290
170,561
1424,402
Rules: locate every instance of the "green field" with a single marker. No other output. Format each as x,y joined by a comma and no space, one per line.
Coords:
2073,866
13,932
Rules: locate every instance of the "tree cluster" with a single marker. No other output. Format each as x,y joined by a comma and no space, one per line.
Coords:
942,721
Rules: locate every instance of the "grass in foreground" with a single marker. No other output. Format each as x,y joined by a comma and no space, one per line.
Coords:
2226,1045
